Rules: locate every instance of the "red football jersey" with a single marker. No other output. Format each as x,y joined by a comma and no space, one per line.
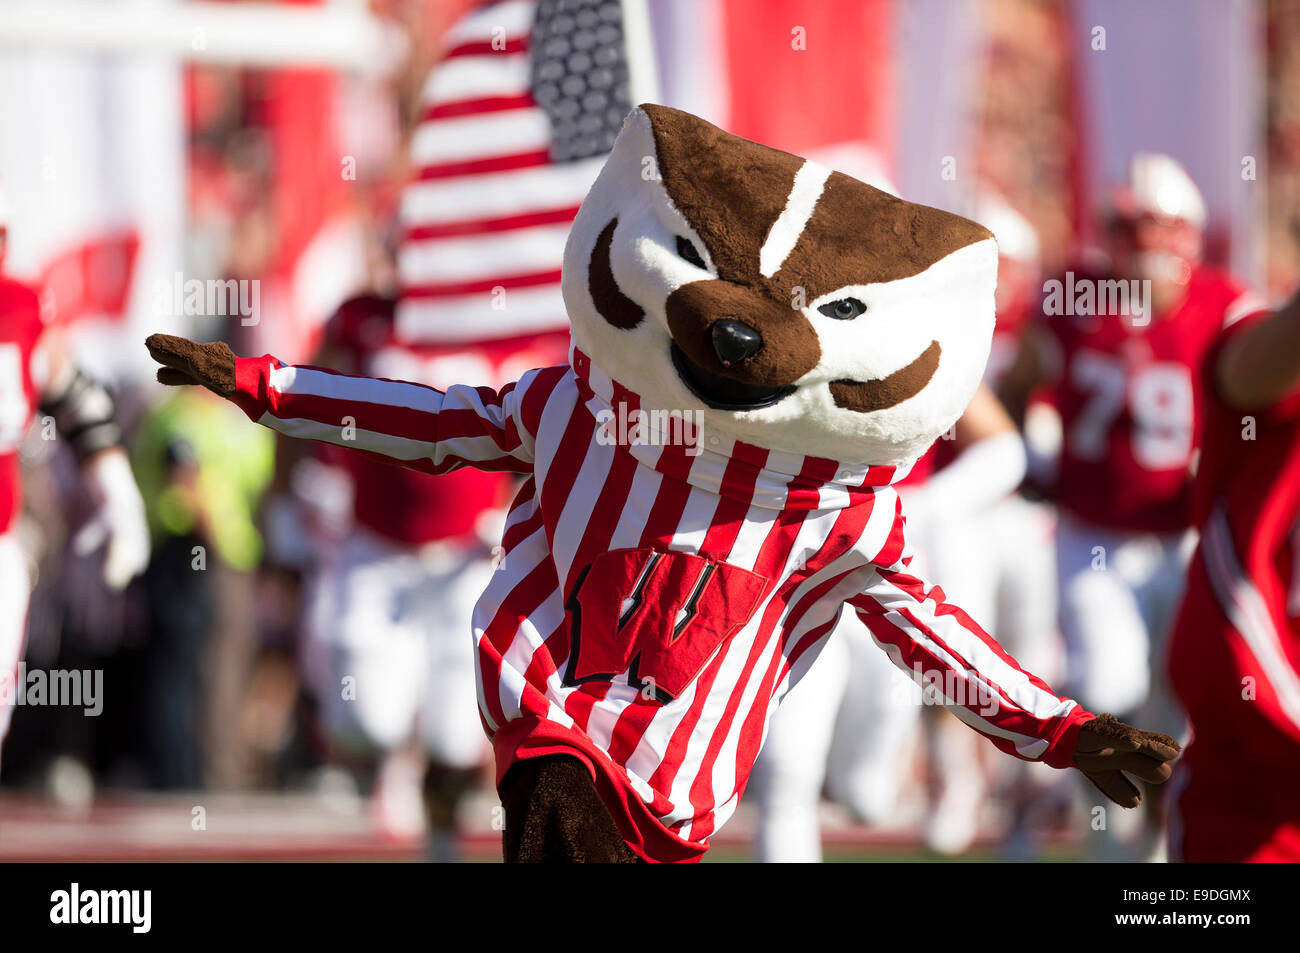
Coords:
1127,393
1235,649
401,504
20,330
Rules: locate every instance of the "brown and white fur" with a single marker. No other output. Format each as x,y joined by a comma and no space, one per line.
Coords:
780,243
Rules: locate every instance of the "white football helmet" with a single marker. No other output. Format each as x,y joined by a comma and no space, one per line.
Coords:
1158,185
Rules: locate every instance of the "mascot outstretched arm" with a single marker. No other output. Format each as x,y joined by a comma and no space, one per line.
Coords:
761,348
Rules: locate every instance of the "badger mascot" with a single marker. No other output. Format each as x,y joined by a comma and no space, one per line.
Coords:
761,347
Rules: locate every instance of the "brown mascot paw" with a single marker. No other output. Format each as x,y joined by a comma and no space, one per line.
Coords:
554,815
1107,747
188,362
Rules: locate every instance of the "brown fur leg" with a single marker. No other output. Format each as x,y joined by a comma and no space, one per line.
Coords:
554,815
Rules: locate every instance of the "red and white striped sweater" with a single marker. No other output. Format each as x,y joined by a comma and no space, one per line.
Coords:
655,602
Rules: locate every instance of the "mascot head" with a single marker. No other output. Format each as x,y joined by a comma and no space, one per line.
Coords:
790,306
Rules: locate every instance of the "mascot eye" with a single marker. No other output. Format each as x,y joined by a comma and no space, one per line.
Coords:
686,248
844,309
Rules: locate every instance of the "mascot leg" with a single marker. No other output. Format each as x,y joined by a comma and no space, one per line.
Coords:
554,815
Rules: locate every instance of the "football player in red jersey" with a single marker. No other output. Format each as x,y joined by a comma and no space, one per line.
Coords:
1121,349
36,371
1234,655
391,608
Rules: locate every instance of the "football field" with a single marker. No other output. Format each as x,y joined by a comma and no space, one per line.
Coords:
202,826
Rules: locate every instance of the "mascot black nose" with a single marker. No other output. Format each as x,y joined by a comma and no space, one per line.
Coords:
733,341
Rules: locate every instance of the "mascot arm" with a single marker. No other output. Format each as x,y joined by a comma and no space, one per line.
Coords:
949,655
408,424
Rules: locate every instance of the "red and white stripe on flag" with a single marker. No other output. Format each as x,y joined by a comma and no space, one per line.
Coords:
495,186
492,194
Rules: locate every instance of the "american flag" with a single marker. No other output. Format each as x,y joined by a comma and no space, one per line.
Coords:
517,119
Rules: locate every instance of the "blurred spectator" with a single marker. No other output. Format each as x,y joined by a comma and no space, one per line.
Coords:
1024,140
202,475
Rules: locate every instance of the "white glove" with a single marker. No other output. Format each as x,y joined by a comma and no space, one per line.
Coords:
118,521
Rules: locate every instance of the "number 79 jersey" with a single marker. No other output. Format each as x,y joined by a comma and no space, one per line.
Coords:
1128,392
